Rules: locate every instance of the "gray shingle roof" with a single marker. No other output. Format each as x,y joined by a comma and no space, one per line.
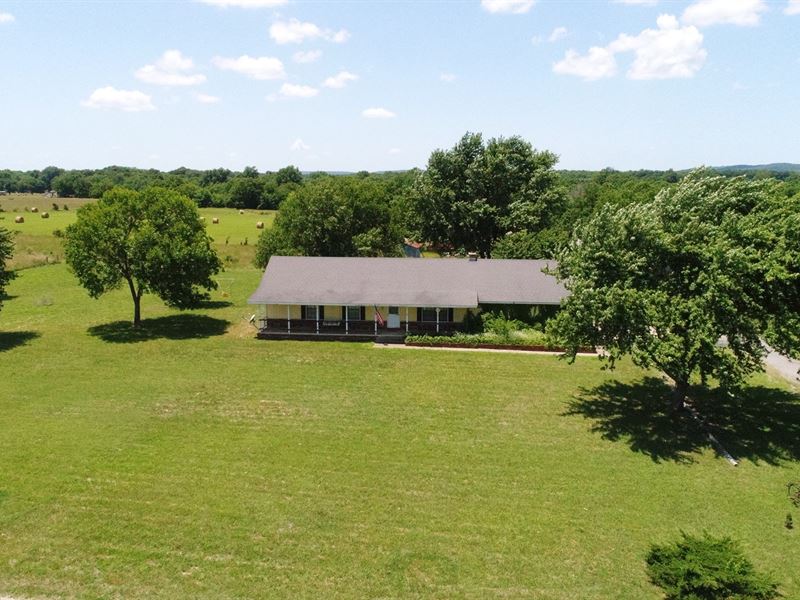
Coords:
406,282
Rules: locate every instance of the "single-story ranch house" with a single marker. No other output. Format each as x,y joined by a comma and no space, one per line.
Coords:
366,298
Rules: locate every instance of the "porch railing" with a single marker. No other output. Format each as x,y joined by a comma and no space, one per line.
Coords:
337,326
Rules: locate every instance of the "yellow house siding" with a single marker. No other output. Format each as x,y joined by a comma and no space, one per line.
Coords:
334,313
278,311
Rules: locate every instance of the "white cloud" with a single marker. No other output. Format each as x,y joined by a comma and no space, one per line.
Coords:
447,77
340,80
669,52
297,32
307,57
596,64
171,69
516,7
263,67
557,34
6,17
291,90
731,12
377,113
536,40
395,151
208,99
299,145
792,8
112,98
245,3
637,2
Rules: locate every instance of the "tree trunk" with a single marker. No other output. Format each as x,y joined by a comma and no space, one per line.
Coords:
137,311
137,303
679,395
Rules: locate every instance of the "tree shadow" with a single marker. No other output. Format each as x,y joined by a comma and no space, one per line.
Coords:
11,339
757,423
213,304
173,327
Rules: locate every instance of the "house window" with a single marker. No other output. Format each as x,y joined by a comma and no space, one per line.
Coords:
309,313
429,315
354,313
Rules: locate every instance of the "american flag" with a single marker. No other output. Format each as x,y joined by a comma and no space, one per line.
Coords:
378,316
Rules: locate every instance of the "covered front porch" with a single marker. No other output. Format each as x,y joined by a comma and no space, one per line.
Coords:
389,323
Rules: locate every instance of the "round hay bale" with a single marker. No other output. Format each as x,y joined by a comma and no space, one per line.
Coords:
202,219
215,221
260,225
241,212
19,219
45,215
34,209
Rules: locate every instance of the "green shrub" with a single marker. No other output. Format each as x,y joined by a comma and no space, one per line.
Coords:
500,325
527,337
707,568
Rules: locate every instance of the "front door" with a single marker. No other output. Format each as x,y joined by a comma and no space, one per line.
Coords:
394,318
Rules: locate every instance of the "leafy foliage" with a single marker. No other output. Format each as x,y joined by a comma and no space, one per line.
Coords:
664,281
707,568
473,194
152,240
333,216
6,251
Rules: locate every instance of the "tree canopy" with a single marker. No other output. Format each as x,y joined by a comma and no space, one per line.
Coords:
475,193
333,216
665,281
6,251
152,240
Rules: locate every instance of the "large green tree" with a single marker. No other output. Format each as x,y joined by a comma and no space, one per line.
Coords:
333,216
691,282
152,241
475,193
6,251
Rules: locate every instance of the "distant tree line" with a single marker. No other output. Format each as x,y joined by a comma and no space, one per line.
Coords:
214,187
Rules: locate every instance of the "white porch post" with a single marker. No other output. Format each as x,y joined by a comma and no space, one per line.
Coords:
406,320
317,319
437,319
288,318
346,321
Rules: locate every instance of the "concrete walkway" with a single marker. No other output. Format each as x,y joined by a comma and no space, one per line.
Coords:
501,351
785,367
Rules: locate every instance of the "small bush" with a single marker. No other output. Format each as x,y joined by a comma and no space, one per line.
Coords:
707,568
66,207
58,233
500,325
55,207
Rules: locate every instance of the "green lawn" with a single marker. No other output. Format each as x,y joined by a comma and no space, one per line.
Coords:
192,460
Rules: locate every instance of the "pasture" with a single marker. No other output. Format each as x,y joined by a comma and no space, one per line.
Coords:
191,460
234,236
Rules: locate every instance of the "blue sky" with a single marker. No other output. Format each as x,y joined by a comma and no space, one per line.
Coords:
378,85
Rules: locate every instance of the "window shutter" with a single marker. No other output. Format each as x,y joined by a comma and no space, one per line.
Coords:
419,314
344,313
363,313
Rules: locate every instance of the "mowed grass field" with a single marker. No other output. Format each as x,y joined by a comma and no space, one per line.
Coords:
192,460
235,236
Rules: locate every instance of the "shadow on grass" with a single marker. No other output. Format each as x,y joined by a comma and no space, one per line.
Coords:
758,424
213,304
11,339
174,327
